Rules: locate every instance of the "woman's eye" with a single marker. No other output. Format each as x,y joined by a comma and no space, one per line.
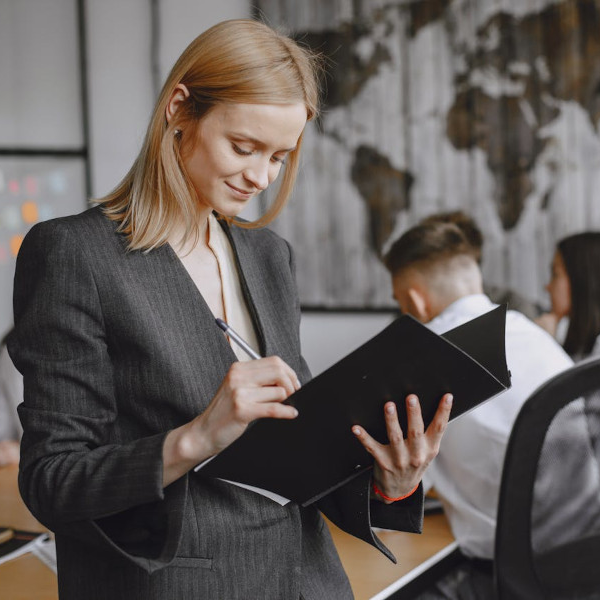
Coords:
241,151
278,159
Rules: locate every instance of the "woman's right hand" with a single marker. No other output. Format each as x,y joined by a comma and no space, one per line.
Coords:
549,322
251,390
9,452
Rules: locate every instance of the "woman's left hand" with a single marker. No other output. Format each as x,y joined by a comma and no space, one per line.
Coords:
399,465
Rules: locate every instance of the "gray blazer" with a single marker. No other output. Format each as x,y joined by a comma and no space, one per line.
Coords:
116,349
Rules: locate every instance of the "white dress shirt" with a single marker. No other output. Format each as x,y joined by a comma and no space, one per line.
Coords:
466,474
11,395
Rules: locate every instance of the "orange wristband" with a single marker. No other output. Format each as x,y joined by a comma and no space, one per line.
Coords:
388,498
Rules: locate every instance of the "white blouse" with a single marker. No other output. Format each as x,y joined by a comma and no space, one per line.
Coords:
237,315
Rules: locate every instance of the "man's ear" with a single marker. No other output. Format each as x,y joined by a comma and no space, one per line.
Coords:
179,95
419,304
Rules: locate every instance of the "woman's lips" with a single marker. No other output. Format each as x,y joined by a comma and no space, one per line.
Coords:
240,192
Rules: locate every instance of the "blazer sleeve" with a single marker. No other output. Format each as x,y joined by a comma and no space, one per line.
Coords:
351,508
71,479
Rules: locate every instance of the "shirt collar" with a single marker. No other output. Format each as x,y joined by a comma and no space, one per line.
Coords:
463,309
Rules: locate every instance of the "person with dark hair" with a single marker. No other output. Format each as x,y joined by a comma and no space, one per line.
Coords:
129,383
11,395
574,289
436,278
473,234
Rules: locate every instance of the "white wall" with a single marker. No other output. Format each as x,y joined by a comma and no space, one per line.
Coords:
327,337
119,87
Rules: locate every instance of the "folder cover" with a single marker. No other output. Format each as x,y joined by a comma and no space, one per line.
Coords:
308,457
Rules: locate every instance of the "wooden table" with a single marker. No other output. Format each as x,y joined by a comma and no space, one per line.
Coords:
370,572
26,577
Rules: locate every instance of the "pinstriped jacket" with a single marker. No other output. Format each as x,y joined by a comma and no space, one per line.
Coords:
118,347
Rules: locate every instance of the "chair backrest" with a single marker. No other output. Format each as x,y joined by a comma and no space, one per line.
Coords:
548,527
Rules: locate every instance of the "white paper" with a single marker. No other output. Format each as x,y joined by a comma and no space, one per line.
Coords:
281,500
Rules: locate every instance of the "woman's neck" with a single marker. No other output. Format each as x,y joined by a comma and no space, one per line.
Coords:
183,247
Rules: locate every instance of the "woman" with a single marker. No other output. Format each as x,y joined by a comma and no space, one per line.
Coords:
574,290
129,383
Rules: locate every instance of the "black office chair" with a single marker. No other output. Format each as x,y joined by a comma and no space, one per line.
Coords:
569,406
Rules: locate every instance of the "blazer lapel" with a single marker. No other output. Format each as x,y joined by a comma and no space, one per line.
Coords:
201,319
250,280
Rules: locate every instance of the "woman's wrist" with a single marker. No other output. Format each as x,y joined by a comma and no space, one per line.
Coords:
389,499
183,449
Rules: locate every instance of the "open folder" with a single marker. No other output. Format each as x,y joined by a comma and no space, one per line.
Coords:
308,457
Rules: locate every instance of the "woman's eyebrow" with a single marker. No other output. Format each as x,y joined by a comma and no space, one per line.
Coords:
258,142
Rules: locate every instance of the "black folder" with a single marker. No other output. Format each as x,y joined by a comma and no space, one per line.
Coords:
308,457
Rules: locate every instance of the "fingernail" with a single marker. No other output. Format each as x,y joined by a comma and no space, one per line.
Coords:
449,399
356,430
298,383
390,409
295,412
412,400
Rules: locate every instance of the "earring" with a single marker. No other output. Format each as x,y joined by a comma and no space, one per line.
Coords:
177,132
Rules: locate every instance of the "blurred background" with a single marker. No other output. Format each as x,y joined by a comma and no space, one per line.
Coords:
489,106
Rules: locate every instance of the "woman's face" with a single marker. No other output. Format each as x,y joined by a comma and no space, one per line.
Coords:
559,287
239,150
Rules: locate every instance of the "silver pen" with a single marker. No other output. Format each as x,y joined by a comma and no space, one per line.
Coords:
237,339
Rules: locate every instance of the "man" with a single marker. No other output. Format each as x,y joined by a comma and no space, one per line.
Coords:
436,278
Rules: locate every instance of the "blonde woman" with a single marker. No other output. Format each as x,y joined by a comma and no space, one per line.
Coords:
128,381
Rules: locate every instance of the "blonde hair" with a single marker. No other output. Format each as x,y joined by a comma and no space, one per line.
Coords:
237,61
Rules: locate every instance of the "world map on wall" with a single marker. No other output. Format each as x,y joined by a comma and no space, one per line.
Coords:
488,106
513,77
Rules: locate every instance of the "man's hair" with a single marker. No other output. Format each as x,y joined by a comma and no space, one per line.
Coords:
425,244
465,223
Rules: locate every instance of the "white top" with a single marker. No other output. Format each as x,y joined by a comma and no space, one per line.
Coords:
237,315
11,395
467,471
596,348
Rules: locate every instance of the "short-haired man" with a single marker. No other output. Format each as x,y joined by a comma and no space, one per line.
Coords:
436,279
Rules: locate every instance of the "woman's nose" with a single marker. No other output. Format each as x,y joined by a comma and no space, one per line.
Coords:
258,174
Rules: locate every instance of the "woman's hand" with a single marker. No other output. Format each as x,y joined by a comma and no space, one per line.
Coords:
549,322
9,452
399,465
251,390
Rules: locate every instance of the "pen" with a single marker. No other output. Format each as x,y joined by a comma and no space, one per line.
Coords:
237,339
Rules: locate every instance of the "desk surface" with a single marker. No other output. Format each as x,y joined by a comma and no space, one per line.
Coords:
370,571
27,578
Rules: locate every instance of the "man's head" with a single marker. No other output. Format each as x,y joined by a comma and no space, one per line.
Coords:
432,265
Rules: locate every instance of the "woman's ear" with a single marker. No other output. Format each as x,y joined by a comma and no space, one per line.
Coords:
179,95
